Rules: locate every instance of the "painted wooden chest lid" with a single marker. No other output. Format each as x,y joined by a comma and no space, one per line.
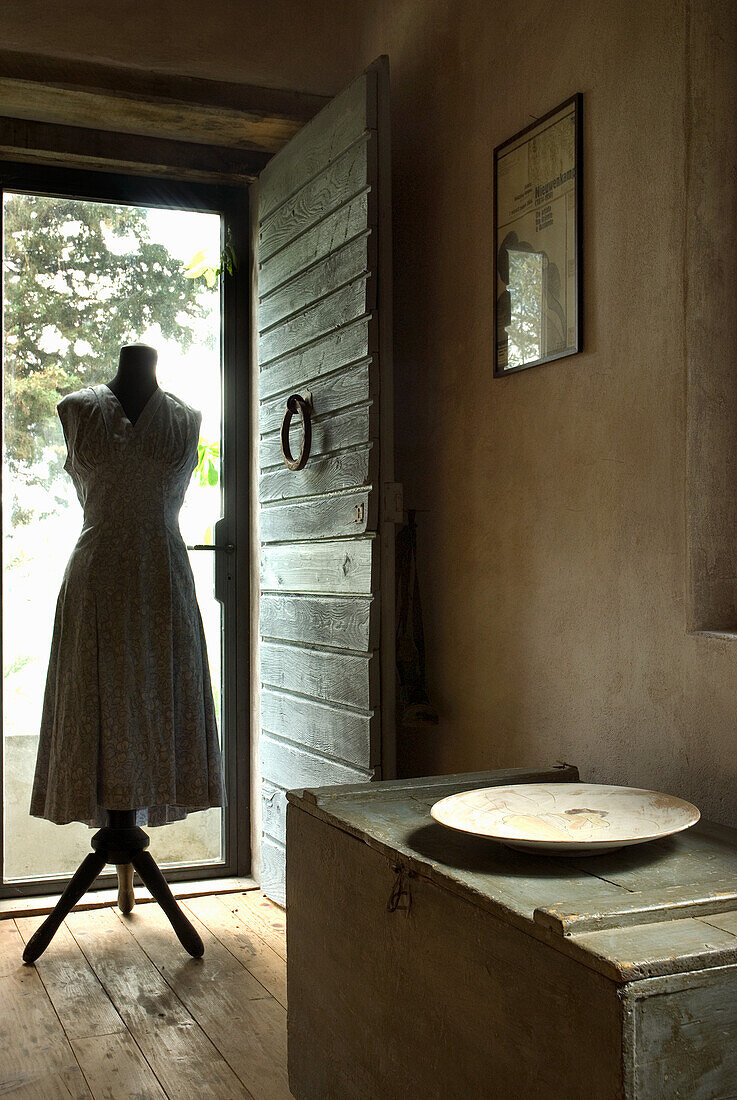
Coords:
668,906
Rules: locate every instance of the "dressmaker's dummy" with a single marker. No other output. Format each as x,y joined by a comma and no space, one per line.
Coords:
128,731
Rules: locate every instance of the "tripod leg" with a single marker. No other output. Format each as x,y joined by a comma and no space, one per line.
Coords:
79,884
126,897
157,884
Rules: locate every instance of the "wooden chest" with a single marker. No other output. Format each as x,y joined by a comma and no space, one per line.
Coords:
425,964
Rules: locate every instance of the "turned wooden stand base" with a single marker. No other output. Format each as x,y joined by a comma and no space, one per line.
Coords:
120,842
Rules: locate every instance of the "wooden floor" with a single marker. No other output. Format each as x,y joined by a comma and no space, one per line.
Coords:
116,1009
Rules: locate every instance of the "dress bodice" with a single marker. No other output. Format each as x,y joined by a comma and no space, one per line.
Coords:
129,474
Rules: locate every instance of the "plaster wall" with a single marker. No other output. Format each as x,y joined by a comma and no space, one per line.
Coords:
273,43
553,536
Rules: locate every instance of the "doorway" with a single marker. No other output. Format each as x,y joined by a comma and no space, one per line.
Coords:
91,261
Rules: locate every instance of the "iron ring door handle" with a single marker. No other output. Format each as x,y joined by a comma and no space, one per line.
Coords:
296,404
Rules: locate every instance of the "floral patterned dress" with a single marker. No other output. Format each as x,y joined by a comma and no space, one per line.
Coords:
128,719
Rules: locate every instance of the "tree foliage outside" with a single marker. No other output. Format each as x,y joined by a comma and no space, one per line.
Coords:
80,280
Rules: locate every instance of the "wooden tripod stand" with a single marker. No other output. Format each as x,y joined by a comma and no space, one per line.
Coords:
120,842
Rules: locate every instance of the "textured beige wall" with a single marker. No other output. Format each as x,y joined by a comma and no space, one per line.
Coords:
553,549
305,45
553,545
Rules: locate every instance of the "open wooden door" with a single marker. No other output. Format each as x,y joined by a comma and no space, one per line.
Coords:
326,530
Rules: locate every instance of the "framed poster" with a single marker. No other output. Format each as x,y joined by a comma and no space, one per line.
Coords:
537,242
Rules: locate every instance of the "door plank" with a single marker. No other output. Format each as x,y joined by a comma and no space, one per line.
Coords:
330,677
328,231
274,868
355,385
36,1059
339,308
74,989
238,937
274,816
320,517
343,567
217,988
341,348
308,210
340,123
345,623
299,767
340,267
345,470
352,428
274,810
341,734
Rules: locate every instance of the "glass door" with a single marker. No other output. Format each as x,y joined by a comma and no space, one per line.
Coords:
81,277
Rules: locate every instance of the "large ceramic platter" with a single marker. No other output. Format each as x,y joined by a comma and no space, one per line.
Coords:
566,818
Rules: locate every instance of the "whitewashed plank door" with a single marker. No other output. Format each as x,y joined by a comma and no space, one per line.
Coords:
327,530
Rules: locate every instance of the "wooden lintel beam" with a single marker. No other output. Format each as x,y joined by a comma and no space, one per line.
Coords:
180,108
103,150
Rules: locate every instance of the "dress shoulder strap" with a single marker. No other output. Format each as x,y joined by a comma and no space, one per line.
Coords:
68,410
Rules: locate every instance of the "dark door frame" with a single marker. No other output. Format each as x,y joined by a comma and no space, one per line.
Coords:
232,203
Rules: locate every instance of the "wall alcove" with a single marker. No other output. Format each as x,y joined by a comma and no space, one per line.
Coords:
711,322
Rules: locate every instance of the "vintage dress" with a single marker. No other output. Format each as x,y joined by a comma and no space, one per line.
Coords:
128,720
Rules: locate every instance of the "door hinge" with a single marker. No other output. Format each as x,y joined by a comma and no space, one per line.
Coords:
393,502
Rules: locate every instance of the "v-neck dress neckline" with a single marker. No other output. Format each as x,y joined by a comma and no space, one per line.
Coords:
111,405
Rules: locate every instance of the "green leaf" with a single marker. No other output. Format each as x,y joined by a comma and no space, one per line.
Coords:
208,462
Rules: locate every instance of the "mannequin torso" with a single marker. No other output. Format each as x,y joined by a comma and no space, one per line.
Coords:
135,382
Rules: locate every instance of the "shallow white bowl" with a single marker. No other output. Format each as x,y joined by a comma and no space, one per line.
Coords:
566,818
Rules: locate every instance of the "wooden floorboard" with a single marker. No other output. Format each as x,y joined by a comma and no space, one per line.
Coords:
36,1057
245,1023
115,1067
267,919
235,934
115,1008
73,988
